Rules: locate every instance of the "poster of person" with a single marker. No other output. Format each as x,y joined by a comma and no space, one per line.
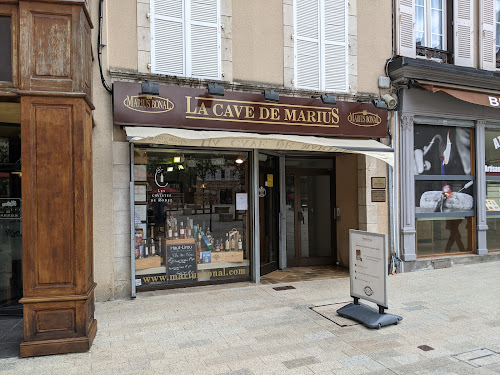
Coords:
443,152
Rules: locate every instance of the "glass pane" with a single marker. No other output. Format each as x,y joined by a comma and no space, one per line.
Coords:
308,163
5,49
444,235
492,196
436,4
442,150
420,25
269,209
437,41
11,285
443,196
290,215
497,9
191,221
493,233
419,2
437,22
316,224
492,152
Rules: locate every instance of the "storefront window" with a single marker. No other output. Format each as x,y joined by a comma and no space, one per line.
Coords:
191,217
492,168
444,189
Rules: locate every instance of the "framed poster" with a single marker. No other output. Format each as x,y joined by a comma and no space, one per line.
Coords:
140,193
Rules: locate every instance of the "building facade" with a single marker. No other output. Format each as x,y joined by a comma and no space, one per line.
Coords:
154,144
255,173
445,73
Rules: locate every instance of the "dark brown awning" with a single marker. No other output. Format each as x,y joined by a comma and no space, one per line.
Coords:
474,96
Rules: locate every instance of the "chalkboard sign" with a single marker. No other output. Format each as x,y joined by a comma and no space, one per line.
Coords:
181,261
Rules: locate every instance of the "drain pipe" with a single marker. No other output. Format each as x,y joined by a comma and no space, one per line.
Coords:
394,197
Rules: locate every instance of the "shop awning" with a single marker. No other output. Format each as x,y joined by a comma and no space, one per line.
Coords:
240,140
475,96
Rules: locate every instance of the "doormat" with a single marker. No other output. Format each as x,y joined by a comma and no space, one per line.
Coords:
330,312
479,357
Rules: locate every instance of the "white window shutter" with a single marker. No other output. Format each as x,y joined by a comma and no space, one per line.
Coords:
205,39
405,26
167,37
307,52
487,59
464,43
335,41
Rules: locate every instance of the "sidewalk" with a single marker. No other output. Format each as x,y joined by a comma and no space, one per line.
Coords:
244,329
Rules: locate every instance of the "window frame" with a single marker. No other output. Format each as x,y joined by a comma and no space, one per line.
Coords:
428,25
497,36
187,22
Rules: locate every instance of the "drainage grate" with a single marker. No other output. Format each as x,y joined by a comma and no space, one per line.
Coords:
479,357
425,348
330,312
286,287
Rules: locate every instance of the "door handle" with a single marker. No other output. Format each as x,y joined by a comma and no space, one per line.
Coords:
300,217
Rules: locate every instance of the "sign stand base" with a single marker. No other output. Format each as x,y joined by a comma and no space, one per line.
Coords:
368,316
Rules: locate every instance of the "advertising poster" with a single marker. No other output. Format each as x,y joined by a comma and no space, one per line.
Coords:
368,266
443,152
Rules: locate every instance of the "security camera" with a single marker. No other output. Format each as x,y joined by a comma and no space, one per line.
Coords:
390,101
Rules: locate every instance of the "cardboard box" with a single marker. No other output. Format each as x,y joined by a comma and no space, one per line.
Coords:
149,262
227,256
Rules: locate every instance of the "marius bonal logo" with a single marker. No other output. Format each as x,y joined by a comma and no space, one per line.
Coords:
148,103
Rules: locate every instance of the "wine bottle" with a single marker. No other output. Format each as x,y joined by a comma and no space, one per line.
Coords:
227,242
181,230
240,244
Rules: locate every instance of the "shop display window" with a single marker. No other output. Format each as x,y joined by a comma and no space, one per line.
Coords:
444,189
191,217
444,235
492,169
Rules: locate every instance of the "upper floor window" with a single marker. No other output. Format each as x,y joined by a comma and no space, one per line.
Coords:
429,23
185,38
321,45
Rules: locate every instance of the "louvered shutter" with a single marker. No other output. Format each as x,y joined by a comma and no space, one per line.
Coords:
487,35
167,37
307,53
464,42
406,28
335,41
204,39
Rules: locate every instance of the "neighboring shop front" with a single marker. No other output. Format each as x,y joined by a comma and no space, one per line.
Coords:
228,188
449,174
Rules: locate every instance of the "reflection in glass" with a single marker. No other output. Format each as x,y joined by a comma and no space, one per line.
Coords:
493,233
316,225
444,235
420,22
194,224
493,196
290,215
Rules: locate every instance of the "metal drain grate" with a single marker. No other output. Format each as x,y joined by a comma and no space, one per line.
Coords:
286,287
479,357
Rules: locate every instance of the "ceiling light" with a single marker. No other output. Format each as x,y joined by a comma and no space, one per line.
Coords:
180,166
239,160
170,169
177,159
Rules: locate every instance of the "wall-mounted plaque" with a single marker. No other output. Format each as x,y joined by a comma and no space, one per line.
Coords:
378,183
378,195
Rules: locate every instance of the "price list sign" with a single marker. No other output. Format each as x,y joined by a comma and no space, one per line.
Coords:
181,263
368,266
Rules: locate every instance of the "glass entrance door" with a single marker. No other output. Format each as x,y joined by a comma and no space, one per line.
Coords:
268,213
310,237
10,220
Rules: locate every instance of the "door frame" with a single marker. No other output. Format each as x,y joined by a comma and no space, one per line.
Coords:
275,265
298,260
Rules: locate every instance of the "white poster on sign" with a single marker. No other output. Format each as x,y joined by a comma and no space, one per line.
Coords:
241,201
368,266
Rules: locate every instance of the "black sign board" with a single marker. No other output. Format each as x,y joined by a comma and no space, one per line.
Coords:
181,262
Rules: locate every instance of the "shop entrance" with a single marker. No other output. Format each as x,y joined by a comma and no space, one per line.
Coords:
268,212
310,227
11,286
